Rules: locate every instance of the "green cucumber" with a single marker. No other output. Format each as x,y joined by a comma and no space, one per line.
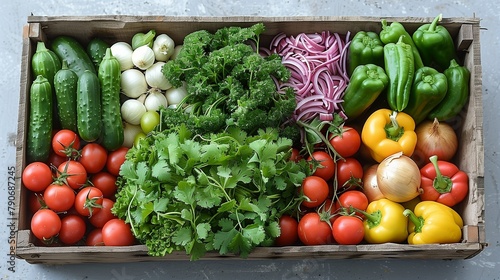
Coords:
112,126
45,62
88,106
96,49
65,85
38,142
70,50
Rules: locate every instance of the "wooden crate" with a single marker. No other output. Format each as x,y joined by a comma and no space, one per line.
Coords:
122,28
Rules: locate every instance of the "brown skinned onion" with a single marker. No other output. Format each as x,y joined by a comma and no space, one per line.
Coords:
370,186
434,138
398,178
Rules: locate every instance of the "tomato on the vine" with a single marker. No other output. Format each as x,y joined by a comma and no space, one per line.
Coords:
349,173
35,202
73,229
289,231
106,182
45,224
347,143
115,160
316,190
313,230
88,201
37,176
93,157
356,199
117,233
72,173
100,218
66,142
55,159
326,164
295,155
348,230
59,198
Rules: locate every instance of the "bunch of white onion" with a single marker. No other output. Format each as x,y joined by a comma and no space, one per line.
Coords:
142,80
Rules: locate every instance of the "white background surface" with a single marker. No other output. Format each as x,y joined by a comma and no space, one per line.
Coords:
484,266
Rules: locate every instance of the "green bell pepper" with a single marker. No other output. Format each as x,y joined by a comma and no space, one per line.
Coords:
366,84
435,44
429,88
399,66
457,95
365,48
391,34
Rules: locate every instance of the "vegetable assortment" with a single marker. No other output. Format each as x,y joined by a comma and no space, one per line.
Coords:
220,143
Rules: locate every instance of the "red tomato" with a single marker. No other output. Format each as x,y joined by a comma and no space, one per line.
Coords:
94,238
349,173
326,167
35,202
88,201
289,231
313,230
295,156
329,208
115,160
348,230
37,176
315,189
59,198
56,160
354,198
66,143
93,157
45,224
100,218
72,229
73,174
117,233
346,144
106,182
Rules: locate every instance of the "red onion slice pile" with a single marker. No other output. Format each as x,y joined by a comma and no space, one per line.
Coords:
317,62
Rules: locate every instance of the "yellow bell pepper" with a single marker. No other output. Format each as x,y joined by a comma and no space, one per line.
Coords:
387,132
384,222
433,222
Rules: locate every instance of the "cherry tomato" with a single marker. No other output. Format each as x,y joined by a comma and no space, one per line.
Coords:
349,173
73,174
94,238
35,202
149,121
289,231
100,218
326,167
347,143
106,182
313,230
45,224
117,233
88,201
329,208
295,156
56,160
315,189
59,198
354,198
72,229
93,157
348,230
37,176
115,160
66,143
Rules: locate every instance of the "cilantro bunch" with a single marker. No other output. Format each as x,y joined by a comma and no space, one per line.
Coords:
223,192
229,83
